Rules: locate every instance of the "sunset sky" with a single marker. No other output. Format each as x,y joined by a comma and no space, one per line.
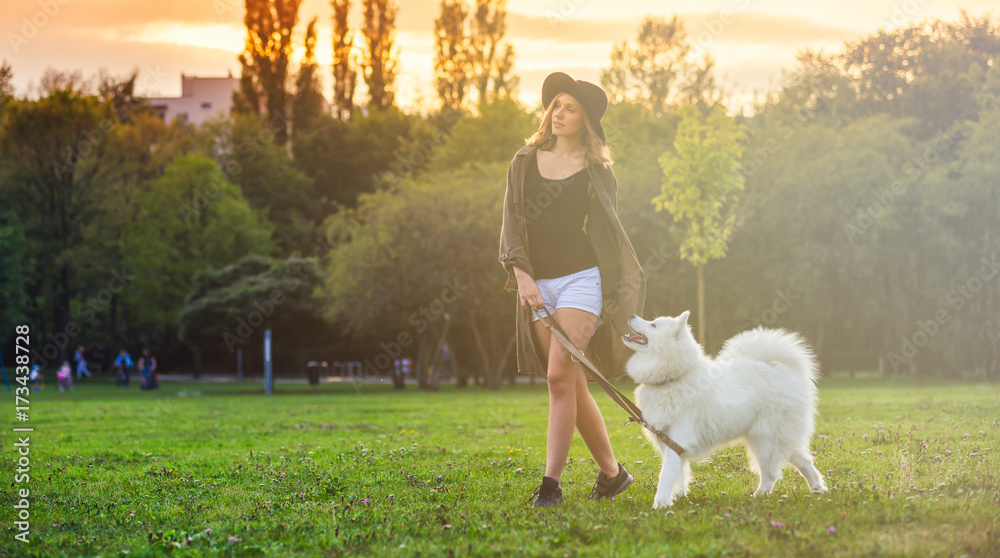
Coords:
751,41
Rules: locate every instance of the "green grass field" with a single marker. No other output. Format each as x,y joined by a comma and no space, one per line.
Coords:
223,470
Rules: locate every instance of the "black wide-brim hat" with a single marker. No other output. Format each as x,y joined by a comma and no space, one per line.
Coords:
591,96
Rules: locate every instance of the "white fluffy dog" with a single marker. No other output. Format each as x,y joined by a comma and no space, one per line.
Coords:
761,389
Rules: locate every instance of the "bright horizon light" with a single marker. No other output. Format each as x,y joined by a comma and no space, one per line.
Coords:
752,43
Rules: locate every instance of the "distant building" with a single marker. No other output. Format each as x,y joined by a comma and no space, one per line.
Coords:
204,98
201,98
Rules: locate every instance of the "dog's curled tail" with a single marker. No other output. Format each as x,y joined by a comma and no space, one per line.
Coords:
766,344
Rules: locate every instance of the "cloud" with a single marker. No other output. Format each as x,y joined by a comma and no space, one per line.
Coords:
775,29
536,28
751,27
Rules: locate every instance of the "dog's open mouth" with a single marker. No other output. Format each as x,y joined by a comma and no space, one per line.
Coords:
637,338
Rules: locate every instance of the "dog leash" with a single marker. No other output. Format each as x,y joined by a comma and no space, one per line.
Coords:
635,414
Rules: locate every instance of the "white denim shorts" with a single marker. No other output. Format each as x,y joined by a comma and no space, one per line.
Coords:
581,290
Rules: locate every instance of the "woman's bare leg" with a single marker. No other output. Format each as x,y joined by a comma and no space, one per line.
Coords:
594,432
568,395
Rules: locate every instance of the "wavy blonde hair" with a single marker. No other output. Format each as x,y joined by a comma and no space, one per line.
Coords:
598,152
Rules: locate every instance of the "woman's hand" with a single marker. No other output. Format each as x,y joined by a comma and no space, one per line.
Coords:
527,290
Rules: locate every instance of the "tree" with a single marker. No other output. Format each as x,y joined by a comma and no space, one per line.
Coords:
122,95
268,179
655,71
13,243
52,150
6,75
345,159
189,219
136,154
409,255
277,294
929,70
308,102
472,54
492,57
494,134
6,88
452,77
264,60
345,62
970,221
701,180
15,263
638,139
380,61
818,88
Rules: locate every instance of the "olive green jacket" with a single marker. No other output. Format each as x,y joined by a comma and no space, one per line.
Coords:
622,280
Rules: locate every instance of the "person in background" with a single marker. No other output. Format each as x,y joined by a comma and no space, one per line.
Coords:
147,367
65,376
37,381
123,365
81,363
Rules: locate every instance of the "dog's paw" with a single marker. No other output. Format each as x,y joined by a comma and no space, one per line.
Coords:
661,503
819,489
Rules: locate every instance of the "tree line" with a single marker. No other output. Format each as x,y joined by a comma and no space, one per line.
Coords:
861,208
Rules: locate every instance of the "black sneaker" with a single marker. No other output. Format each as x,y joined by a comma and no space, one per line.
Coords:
548,494
607,488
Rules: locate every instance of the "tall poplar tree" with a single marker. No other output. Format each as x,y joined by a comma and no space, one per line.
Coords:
264,60
471,54
492,57
308,98
345,63
452,77
380,62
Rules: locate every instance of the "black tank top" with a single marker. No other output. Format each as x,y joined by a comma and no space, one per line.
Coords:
554,211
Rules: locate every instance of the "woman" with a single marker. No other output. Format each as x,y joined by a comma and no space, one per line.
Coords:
567,255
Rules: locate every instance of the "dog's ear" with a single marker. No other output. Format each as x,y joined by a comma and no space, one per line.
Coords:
682,321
